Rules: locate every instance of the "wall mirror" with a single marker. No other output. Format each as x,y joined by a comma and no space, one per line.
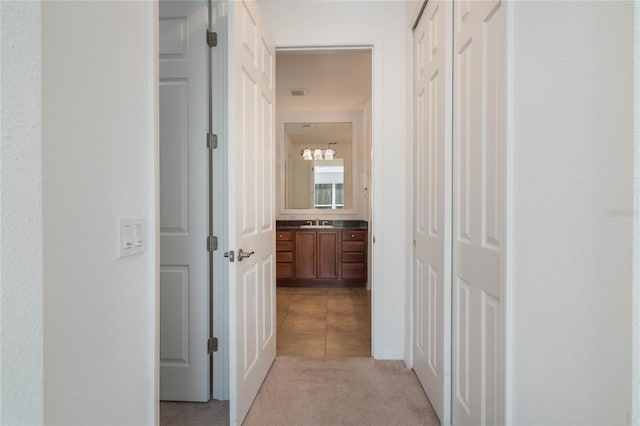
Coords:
323,101
318,165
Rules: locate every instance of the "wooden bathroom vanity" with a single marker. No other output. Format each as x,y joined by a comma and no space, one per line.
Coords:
322,257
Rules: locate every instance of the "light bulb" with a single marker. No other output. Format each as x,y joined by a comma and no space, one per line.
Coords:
306,154
317,154
328,154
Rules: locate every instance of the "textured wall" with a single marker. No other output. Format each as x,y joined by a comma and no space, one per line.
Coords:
21,215
573,219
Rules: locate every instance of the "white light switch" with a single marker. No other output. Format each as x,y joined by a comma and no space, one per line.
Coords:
130,236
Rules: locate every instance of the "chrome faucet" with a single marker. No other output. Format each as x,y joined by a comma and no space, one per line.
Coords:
310,222
317,221
325,222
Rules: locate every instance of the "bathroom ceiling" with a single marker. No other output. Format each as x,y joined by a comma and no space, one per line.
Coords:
318,133
334,80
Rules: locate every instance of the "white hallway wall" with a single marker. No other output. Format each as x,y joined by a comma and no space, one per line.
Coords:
335,23
78,339
98,165
573,157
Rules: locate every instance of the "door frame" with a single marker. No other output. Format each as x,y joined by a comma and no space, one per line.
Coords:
375,259
219,199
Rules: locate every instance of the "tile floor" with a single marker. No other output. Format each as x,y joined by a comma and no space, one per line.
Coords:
324,322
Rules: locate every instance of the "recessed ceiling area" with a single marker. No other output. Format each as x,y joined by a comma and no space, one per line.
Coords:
336,80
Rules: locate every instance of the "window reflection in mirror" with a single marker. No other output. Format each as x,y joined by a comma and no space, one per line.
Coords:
328,180
318,183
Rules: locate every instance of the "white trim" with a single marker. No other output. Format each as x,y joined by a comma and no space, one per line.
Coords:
635,368
220,324
409,311
507,310
376,228
153,111
509,34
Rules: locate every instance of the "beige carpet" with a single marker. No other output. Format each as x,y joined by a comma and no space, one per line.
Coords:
340,391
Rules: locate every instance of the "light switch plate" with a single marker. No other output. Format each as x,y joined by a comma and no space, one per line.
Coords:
131,236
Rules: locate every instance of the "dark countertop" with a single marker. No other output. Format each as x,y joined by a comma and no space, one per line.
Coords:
337,224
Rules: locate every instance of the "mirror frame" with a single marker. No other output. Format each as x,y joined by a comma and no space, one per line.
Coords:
357,142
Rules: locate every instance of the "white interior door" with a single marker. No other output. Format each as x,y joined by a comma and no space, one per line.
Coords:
479,205
251,59
432,205
184,260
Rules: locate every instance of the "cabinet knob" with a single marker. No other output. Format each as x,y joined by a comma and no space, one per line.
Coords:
353,236
280,236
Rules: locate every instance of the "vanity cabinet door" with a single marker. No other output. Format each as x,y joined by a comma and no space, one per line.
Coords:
328,262
306,254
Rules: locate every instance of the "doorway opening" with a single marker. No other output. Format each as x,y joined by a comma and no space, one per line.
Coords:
323,177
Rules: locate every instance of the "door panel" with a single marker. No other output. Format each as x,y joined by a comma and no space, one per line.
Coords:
251,99
432,206
328,254
184,266
479,204
305,254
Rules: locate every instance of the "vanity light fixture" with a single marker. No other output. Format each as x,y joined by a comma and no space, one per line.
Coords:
318,154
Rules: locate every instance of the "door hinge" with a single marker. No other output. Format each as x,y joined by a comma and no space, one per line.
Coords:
212,38
212,345
212,141
212,243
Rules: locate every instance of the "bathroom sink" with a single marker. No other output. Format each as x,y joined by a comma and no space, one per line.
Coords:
316,226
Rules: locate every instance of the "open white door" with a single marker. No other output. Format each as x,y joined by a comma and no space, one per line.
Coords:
184,211
432,80
251,148
479,218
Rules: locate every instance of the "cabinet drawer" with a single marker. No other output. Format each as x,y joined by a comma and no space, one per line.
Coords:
284,256
284,270
354,235
284,235
354,271
284,245
354,257
357,246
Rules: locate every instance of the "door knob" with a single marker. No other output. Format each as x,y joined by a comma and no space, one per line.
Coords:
244,254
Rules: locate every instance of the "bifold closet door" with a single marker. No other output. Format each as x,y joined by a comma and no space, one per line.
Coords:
432,74
478,216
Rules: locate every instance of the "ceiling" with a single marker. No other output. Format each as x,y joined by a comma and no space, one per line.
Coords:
335,80
318,133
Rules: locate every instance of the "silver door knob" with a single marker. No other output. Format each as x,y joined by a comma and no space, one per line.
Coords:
244,254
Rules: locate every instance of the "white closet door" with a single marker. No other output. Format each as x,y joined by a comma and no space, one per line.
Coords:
478,219
251,204
184,260
432,47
